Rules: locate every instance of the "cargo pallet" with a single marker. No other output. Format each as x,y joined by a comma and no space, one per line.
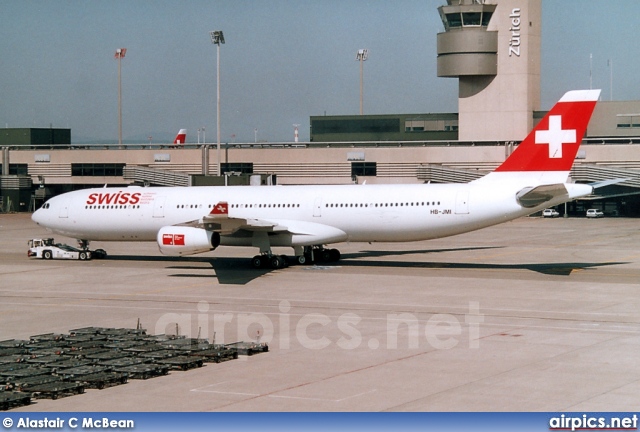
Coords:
184,344
144,371
45,360
13,343
182,362
122,362
27,372
146,348
103,380
79,372
12,351
23,384
14,358
9,399
7,367
47,337
68,364
248,348
83,353
216,353
57,389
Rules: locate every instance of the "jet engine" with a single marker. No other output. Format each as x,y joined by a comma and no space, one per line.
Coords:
180,240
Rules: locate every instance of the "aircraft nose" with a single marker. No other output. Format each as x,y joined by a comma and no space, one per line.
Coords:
40,216
37,216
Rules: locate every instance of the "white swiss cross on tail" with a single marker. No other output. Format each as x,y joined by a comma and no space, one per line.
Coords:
555,136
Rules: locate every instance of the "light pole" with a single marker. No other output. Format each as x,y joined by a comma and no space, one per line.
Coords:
217,38
120,52
361,56
295,132
610,64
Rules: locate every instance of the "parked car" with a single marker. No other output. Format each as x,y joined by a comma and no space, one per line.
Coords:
594,213
552,213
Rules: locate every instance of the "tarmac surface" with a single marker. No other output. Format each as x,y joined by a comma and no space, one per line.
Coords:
532,315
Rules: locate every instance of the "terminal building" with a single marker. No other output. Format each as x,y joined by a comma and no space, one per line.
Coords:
491,47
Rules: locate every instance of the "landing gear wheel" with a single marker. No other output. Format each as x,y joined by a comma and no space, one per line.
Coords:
276,262
257,262
325,255
301,259
100,253
334,255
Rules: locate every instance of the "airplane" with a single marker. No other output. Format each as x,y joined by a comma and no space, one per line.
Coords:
181,137
192,220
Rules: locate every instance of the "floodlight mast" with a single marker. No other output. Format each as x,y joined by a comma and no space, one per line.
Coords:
361,56
217,38
120,53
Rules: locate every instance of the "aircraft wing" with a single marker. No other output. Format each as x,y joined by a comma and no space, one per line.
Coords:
220,221
299,232
604,183
229,225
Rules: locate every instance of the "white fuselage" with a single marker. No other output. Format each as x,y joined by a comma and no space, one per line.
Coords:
372,213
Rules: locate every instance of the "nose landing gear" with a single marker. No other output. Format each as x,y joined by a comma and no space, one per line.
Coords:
98,253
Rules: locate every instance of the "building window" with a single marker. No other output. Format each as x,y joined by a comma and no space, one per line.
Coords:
238,167
347,126
420,125
471,18
17,169
97,170
454,19
363,169
628,121
486,17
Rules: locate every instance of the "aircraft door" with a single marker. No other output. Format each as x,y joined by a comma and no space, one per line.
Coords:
158,206
462,202
317,206
64,210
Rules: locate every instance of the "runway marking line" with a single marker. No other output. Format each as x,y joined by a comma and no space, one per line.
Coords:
232,393
202,390
323,399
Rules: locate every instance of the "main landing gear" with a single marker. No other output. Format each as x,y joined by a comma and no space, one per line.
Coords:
309,255
269,261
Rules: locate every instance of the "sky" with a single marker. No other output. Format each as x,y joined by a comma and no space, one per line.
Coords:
283,61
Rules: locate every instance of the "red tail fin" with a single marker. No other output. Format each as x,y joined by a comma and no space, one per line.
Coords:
181,137
553,144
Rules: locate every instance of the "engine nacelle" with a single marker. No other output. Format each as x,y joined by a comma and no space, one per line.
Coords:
180,240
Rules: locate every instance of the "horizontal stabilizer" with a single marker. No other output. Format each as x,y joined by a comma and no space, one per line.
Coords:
534,196
604,183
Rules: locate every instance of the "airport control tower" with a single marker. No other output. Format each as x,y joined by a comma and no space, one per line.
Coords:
493,48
